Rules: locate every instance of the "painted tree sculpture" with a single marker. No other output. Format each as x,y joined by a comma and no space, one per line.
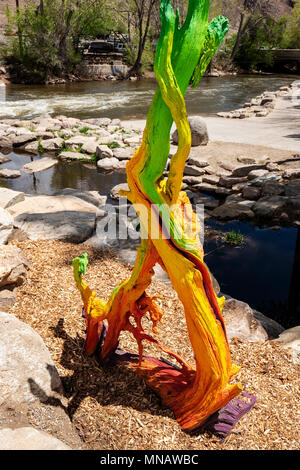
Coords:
193,393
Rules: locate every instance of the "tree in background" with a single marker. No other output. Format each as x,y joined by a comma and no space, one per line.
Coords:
142,10
292,35
252,13
51,31
258,44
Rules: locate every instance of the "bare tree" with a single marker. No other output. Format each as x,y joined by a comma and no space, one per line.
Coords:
248,9
143,9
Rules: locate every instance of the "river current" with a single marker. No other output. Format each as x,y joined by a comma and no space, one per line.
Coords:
130,100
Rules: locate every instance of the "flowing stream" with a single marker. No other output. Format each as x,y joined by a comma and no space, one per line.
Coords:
129,100
251,272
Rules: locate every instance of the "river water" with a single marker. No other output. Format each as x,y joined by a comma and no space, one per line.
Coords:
130,100
247,273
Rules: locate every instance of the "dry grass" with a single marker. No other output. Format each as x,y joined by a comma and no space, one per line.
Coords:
114,409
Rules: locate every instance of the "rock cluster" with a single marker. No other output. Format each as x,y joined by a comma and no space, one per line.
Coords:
103,140
252,188
261,105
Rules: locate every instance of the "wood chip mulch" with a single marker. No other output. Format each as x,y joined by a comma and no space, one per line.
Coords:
112,408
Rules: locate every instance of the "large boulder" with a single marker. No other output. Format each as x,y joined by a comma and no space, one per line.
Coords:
24,360
13,266
65,218
92,197
241,323
6,226
290,339
29,438
31,392
198,130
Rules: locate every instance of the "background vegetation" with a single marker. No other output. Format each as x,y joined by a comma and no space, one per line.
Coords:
43,37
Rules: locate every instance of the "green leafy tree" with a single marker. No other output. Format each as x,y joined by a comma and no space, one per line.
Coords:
292,34
256,47
50,31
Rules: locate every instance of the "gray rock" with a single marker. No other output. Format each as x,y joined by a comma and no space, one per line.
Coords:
108,164
99,121
191,180
7,300
55,217
290,339
206,188
9,174
39,165
90,147
192,170
272,188
122,153
244,170
29,438
4,158
51,145
246,160
197,161
264,179
6,226
233,210
257,174
134,140
251,192
81,140
74,156
228,181
8,197
92,197
207,202
270,206
114,193
272,167
20,140
241,323
292,188
13,266
211,179
30,387
32,147
5,142
103,151
272,328
198,130
224,191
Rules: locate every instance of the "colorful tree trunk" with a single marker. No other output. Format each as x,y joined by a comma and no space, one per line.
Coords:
193,393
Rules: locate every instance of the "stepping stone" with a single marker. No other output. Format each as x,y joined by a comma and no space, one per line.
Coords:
40,165
6,173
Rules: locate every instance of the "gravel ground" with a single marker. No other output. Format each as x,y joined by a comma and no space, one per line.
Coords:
112,408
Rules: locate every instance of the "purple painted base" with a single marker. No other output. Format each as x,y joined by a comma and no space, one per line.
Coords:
220,423
223,421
